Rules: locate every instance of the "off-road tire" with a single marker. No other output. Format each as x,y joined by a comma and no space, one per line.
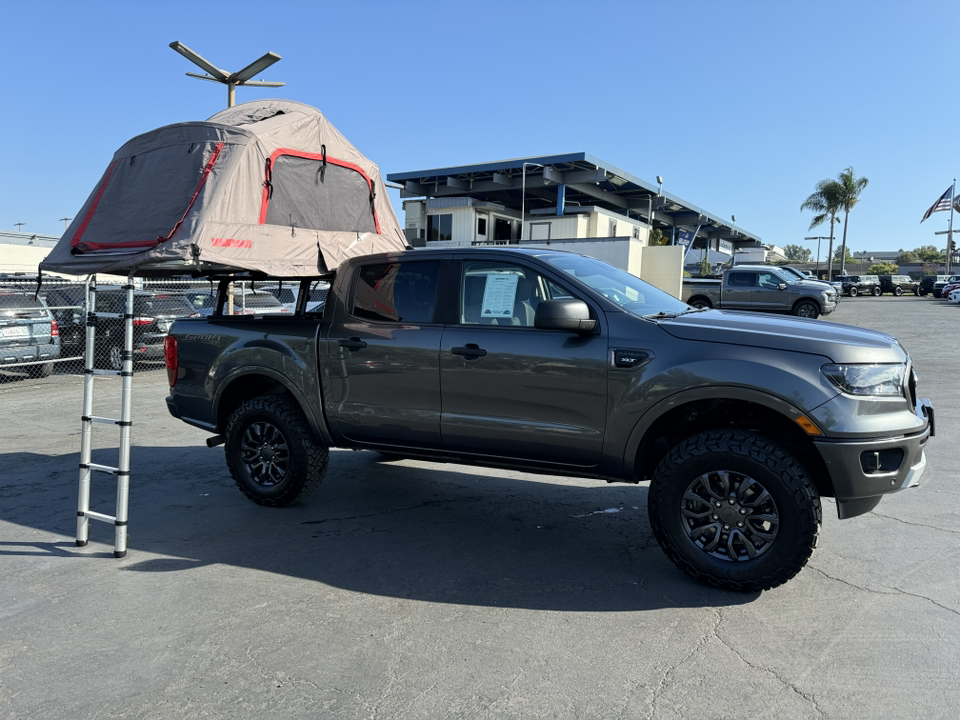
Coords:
876,292
916,292
737,454
272,455
807,309
40,371
854,292
898,291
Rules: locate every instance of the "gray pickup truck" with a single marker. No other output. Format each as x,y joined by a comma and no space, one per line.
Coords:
763,289
553,362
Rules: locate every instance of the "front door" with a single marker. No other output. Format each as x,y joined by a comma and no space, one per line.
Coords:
511,390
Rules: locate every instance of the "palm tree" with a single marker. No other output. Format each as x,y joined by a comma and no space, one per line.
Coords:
850,187
825,202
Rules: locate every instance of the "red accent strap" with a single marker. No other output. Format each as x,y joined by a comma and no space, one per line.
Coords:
86,219
88,247
203,178
324,158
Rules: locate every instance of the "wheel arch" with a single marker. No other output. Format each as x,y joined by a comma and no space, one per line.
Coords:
249,383
707,302
686,414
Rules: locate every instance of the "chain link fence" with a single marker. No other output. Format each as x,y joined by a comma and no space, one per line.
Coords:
43,331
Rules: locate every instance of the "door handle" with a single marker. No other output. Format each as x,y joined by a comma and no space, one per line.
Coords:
469,351
353,343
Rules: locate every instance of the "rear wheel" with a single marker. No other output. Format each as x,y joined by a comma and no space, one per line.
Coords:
40,371
898,291
699,303
734,510
271,453
916,291
854,292
807,309
876,291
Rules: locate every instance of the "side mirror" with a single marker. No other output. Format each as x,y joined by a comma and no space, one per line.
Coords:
782,286
570,315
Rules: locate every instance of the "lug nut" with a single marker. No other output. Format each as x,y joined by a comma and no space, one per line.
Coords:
726,527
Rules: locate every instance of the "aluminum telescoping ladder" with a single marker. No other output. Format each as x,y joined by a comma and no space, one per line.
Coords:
122,471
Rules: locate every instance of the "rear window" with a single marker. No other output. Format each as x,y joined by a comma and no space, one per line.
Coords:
20,305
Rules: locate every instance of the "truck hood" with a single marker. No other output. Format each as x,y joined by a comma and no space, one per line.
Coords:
840,343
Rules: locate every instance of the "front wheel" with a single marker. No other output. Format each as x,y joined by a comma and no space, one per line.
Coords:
734,510
916,292
898,291
876,292
853,292
271,453
807,309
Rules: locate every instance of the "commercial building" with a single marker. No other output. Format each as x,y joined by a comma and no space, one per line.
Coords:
574,201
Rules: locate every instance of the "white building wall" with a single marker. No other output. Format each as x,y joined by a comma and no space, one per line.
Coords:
663,268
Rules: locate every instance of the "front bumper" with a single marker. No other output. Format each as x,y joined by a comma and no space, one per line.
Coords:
859,477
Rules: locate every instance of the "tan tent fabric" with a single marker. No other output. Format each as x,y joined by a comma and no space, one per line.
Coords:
267,186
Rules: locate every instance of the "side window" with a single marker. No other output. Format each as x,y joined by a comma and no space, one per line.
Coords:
496,293
769,280
397,292
742,279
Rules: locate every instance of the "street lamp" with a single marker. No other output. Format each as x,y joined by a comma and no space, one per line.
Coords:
231,80
523,193
19,226
65,221
650,203
818,238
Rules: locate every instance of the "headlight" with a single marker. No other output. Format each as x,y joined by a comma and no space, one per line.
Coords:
885,380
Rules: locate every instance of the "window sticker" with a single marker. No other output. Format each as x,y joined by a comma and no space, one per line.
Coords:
499,295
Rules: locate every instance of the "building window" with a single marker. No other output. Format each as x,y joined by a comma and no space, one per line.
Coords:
481,226
440,227
501,229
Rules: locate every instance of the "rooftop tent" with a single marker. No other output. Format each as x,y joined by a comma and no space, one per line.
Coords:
267,186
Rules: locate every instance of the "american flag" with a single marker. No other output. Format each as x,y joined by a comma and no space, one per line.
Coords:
942,204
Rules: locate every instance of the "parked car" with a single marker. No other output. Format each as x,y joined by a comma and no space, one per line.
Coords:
927,282
899,284
153,313
28,333
941,282
947,289
287,294
245,302
854,285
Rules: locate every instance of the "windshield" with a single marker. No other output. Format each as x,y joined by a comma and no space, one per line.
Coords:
628,291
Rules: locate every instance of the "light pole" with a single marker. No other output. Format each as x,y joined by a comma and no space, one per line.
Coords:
818,238
650,204
19,226
833,221
523,193
231,80
863,256
65,221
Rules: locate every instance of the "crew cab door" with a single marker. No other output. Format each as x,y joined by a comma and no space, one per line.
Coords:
511,390
381,372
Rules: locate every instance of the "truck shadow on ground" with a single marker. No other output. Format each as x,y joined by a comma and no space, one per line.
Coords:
404,529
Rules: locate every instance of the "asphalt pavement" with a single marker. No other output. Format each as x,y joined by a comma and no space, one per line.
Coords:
412,590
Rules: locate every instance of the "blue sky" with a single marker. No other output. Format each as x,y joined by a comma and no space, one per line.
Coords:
742,107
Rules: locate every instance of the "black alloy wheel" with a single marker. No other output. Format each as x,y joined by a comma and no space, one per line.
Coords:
898,291
271,453
807,309
734,510
853,292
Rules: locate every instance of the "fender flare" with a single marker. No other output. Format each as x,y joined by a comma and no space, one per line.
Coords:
715,392
318,427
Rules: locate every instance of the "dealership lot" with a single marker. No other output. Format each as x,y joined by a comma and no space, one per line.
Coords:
412,590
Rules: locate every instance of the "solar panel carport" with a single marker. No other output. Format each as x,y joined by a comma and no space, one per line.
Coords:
557,184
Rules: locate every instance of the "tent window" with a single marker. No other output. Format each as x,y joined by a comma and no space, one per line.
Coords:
308,193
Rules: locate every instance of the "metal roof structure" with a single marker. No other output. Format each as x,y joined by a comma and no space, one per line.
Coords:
562,182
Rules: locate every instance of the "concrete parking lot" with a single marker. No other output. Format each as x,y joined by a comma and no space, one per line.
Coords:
412,590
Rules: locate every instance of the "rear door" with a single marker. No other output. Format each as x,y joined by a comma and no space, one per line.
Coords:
381,368
511,390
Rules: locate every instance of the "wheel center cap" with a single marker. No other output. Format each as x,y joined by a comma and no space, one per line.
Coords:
266,453
730,514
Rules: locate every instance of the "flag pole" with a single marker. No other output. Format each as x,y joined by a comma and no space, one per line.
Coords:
953,189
